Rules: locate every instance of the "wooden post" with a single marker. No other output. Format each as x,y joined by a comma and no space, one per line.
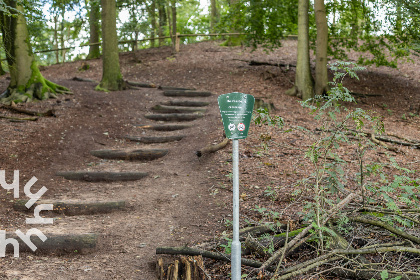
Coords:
177,42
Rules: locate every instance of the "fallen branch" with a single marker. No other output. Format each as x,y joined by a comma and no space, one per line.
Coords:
262,63
143,85
84,80
206,254
212,148
304,232
380,143
387,227
48,113
19,119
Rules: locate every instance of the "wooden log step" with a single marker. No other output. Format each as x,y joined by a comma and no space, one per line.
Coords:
59,244
100,176
165,127
174,88
187,93
176,109
72,208
174,117
186,103
143,154
154,139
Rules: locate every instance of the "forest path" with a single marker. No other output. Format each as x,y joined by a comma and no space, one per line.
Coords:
170,206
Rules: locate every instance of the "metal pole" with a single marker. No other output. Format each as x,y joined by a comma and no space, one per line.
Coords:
236,244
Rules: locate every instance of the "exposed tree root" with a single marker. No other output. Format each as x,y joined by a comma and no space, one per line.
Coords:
38,90
48,113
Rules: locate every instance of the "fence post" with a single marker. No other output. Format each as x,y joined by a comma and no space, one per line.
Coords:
177,42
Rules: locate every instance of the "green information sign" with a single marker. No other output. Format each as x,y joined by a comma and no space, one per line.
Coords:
236,110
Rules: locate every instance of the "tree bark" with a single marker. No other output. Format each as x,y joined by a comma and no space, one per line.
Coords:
304,84
214,15
26,81
186,103
187,93
174,27
111,73
154,139
162,20
321,70
74,208
94,16
57,59
153,19
212,148
176,109
101,176
61,244
145,154
165,127
174,117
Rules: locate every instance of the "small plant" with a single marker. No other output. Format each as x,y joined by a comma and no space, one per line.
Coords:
270,192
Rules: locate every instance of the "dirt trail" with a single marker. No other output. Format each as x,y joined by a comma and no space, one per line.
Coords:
171,206
177,203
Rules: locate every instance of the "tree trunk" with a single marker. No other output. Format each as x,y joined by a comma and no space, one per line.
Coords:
235,40
94,16
153,19
162,21
111,73
321,71
303,80
57,58
214,15
26,81
63,51
174,30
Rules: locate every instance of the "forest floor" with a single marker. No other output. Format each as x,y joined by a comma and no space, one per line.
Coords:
185,200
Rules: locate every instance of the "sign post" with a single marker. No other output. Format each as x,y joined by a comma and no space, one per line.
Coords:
236,110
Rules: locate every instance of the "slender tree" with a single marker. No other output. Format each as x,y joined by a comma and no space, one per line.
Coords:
152,12
162,20
321,70
214,15
304,84
94,28
111,73
26,81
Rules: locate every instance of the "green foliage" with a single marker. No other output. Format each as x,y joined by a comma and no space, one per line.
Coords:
261,116
264,22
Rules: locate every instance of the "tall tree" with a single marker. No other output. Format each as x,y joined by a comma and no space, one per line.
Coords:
162,20
94,29
321,70
304,84
152,12
214,15
26,81
111,73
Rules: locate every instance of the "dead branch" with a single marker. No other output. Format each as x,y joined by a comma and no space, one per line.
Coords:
48,113
303,233
188,251
141,85
363,95
387,227
212,148
254,245
262,63
380,143
84,80
19,119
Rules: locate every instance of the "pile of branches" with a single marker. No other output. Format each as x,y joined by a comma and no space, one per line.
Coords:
363,247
